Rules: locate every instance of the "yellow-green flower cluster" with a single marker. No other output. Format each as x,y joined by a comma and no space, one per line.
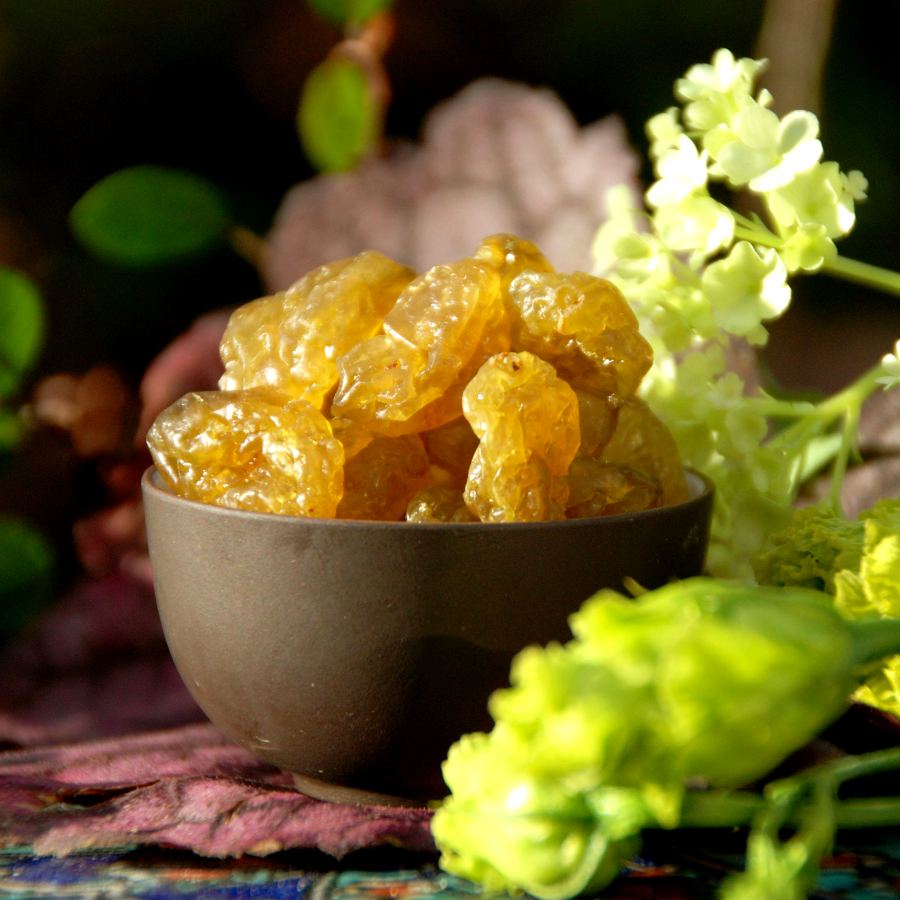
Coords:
699,274
857,561
700,682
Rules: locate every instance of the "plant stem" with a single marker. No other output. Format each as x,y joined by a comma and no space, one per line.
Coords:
842,460
755,236
248,245
724,809
732,809
864,273
875,640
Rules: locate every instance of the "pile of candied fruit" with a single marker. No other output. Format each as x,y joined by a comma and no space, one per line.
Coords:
492,389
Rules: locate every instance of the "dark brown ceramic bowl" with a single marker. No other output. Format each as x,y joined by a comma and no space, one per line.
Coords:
353,653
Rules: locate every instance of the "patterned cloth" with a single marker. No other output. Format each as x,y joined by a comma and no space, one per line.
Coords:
184,813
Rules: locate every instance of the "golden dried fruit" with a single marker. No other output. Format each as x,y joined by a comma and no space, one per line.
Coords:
526,419
438,503
511,256
597,418
600,489
254,449
643,443
292,341
451,446
584,327
440,325
462,394
382,478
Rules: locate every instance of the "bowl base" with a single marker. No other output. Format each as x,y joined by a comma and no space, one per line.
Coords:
336,793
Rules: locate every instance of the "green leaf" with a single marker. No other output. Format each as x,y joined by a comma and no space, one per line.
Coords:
349,11
150,215
21,327
26,567
337,116
11,429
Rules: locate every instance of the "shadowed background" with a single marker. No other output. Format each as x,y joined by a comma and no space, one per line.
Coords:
212,87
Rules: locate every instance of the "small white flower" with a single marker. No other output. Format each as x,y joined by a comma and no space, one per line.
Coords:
682,170
855,184
714,92
890,365
746,288
696,224
763,152
664,131
815,197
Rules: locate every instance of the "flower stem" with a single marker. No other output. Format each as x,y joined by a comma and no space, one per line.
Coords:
724,809
864,273
756,236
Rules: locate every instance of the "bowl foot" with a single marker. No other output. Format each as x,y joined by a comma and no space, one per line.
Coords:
337,793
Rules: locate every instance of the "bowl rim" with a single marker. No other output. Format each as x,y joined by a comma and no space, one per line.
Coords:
700,487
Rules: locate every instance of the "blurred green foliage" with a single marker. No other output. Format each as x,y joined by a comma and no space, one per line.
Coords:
337,116
21,329
26,558
212,88
26,567
150,215
350,11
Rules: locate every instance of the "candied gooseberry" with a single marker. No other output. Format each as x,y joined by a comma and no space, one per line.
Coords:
451,446
527,421
597,417
292,341
439,323
253,449
511,256
600,489
584,327
642,442
438,503
380,480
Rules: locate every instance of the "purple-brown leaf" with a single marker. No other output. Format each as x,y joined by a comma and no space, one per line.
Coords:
95,665
188,788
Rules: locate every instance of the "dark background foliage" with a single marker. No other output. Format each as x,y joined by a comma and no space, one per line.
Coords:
212,86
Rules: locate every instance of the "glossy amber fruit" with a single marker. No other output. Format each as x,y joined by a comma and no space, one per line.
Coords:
410,378
254,449
493,388
439,503
292,341
381,479
526,419
584,327
642,443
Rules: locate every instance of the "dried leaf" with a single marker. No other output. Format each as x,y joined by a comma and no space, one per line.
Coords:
188,788
116,764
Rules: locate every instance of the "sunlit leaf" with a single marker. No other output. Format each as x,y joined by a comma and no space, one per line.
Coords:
26,564
337,116
21,327
150,215
350,11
